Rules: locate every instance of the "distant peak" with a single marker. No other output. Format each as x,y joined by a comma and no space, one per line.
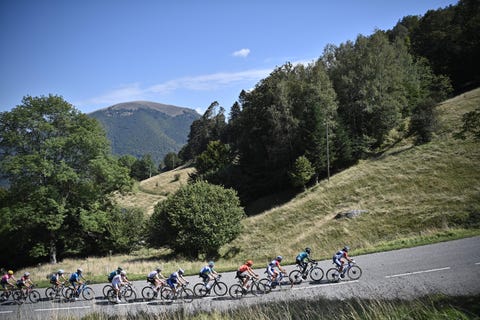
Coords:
170,110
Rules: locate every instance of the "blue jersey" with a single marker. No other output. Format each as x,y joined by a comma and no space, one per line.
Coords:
302,256
206,270
74,277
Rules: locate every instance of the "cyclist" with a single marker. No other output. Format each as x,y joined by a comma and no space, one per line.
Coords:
177,279
156,278
245,272
117,281
208,274
57,279
76,282
114,273
275,263
25,281
8,280
338,259
301,257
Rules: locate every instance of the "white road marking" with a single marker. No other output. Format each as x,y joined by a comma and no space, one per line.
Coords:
416,272
2,312
477,263
66,308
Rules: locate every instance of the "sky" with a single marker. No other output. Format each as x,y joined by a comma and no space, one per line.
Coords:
187,53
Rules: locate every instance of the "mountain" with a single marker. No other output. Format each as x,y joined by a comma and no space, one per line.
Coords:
138,128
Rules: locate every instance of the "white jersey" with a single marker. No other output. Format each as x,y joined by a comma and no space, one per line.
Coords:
117,280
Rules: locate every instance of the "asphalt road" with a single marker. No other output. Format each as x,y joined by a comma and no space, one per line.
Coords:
451,268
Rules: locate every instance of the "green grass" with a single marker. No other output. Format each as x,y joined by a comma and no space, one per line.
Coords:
414,195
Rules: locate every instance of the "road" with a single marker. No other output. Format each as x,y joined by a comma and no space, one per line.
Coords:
451,268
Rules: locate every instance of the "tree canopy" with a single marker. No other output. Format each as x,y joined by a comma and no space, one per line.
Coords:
60,173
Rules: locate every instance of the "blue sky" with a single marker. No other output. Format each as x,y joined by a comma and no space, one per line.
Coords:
189,53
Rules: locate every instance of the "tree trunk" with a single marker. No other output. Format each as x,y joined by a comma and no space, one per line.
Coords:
53,252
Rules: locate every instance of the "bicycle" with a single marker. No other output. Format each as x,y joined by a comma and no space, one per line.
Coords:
237,291
56,291
21,294
312,270
220,288
127,292
278,283
181,293
150,292
7,293
352,270
84,290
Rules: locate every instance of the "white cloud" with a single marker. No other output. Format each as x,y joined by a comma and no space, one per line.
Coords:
241,53
208,82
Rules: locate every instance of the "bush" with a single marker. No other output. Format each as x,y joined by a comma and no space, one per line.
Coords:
198,219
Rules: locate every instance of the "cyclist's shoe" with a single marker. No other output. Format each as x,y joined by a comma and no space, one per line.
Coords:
304,277
342,275
118,301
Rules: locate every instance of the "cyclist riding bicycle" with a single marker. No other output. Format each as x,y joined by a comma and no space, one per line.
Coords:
25,281
8,280
176,279
75,281
301,257
271,271
58,278
119,280
245,272
338,259
114,273
156,278
208,274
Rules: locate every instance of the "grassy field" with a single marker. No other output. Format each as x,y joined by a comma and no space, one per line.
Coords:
412,195
430,307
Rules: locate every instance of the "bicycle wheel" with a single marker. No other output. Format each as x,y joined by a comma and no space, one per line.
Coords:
266,284
333,275
167,293
88,294
69,293
149,293
112,296
295,277
257,289
316,274
105,289
220,288
200,290
18,296
236,291
34,296
50,293
354,272
187,295
130,295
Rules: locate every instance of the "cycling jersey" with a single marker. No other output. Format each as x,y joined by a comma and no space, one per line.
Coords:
116,281
206,270
74,277
152,274
302,256
173,279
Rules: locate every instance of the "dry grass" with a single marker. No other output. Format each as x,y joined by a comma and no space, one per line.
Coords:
412,193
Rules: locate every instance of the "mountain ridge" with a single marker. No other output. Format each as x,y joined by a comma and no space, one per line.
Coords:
139,128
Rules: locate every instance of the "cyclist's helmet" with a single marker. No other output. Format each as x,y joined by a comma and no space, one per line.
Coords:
123,273
279,258
181,271
346,248
79,270
10,272
119,269
26,274
60,271
158,269
308,250
249,263
211,264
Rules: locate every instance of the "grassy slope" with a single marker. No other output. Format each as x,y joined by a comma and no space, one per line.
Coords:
408,192
413,194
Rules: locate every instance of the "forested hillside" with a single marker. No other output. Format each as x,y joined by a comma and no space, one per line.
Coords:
139,128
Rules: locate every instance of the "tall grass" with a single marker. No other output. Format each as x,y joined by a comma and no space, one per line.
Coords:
430,307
